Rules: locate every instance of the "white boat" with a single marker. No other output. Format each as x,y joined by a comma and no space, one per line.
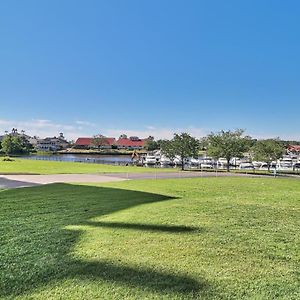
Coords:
296,166
285,163
207,166
246,166
195,161
178,161
235,161
258,164
264,166
165,161
150,160
207,162
157,154
222,162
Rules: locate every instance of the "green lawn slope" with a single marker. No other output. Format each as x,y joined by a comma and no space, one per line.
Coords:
210,238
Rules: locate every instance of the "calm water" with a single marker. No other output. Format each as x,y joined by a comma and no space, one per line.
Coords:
86,158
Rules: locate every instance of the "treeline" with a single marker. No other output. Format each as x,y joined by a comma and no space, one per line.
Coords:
13,145
222,144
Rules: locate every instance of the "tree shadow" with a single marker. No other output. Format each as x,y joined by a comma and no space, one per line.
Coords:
139,277
6,183
143,227
35,247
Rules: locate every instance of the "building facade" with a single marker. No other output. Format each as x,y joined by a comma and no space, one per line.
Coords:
52,143
132,143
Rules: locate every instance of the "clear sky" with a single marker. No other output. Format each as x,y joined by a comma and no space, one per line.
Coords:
150,67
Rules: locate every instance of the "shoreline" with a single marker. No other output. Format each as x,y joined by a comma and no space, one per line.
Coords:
80,152
93,152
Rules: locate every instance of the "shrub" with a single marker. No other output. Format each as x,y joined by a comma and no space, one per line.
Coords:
7,159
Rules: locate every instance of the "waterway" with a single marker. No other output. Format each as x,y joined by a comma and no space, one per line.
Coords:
86,158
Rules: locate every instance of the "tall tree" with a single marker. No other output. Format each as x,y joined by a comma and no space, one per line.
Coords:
99,141
182,145
167,148
228,144
151,144
268,150
7,144
15,145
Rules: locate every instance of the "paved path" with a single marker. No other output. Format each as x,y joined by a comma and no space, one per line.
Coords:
169,175
16,181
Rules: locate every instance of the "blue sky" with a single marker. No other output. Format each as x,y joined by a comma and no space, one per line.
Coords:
150,67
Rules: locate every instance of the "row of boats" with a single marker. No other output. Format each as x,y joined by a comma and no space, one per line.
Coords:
287,162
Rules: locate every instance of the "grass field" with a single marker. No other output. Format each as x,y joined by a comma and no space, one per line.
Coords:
54,167
209,238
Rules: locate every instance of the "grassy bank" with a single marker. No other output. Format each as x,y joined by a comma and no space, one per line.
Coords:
53,167
210,238
250,172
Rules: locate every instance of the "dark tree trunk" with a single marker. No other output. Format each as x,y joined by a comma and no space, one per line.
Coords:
182,164
228,164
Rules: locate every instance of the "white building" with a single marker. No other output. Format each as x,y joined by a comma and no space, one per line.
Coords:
52,143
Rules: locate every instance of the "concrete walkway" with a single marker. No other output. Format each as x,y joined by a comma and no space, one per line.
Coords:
17,181
170,175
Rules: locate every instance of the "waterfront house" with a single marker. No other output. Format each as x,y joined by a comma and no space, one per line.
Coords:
132,143
295,149
123,143
95,143
52,143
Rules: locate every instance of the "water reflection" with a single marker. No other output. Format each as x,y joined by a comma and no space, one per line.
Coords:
86,158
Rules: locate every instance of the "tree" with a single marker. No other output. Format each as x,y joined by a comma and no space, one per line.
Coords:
151,144
182,145
168,149
7,144
203,143
228,144
15,145
268,150
99,141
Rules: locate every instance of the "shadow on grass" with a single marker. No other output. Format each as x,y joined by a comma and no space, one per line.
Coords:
35,248
10,183
143,227
138,277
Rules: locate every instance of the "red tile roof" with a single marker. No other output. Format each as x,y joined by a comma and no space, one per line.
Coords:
83,142
130,143
89,141
294,147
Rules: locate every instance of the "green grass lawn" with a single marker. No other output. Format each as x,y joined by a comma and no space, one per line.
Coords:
205,238
54,167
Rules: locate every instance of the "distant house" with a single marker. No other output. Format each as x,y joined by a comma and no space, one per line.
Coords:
91,143
52,143
132,143
33,141
294,149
